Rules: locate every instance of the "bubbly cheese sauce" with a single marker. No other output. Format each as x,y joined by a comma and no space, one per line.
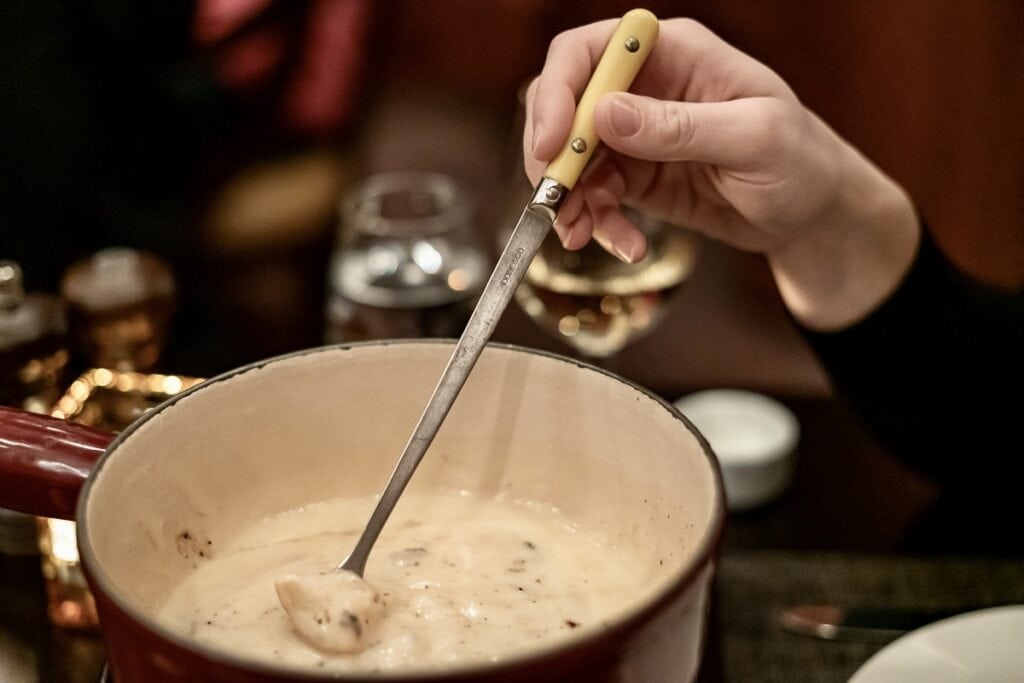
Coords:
465,580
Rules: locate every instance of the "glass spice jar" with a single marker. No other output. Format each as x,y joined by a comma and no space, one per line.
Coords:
120,303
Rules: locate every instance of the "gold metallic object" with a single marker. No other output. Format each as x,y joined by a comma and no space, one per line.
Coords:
113,399
109,399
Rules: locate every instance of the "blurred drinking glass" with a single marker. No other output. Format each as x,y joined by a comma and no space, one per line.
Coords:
597,304
407,263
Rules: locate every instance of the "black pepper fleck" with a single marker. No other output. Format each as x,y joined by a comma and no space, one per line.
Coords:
354,624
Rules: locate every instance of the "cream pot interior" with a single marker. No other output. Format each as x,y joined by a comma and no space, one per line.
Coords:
332,422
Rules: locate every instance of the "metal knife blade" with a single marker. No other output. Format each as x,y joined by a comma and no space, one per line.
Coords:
628,47
870,624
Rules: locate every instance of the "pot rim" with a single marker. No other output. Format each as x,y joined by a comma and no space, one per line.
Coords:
704,554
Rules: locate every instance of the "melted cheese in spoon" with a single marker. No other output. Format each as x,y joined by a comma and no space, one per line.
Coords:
464,580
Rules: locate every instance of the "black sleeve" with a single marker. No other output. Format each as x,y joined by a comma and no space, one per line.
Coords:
935,373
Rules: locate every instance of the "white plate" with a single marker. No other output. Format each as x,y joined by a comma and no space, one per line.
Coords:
983,646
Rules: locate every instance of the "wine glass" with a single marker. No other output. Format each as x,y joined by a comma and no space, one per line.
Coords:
588,299
408,263
597,304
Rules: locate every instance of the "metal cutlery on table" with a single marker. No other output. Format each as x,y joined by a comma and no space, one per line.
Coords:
866,624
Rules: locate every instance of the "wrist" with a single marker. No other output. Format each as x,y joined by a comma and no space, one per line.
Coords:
854,258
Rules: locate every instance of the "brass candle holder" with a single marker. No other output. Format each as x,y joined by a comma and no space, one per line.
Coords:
111,400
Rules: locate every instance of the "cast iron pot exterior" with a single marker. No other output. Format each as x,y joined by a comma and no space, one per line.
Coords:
661,641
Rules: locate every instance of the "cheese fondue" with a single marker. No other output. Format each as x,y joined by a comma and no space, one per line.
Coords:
464,581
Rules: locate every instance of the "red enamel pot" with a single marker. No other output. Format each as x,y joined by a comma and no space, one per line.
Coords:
329,422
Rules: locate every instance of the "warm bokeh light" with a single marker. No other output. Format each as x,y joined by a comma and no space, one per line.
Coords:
458,280
569,325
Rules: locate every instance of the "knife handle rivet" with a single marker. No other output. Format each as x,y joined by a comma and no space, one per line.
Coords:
579,145
632,44
552,193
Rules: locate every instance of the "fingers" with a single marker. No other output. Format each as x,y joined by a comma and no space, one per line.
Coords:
550,106
603,190
690,64
711,103
593,209
574,223
597,213
618,236
534,166
739,135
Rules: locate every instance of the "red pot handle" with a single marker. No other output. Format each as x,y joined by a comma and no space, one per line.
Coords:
44,462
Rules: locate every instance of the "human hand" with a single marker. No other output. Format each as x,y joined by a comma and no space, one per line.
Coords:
714,140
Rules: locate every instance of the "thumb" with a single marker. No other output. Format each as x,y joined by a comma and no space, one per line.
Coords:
735,134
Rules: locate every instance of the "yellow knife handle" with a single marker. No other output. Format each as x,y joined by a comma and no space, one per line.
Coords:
625,53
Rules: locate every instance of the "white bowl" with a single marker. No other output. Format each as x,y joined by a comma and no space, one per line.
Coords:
754,438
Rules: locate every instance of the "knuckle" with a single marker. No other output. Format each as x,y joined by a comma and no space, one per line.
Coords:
674,127
691,26
692,31
561,41
769,127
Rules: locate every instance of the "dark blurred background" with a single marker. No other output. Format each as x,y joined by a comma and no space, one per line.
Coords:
219,136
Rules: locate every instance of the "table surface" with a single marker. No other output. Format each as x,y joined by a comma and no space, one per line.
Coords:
747,644
831,538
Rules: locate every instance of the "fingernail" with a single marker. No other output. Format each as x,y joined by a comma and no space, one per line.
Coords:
536,140
625,250
564,234
624,118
